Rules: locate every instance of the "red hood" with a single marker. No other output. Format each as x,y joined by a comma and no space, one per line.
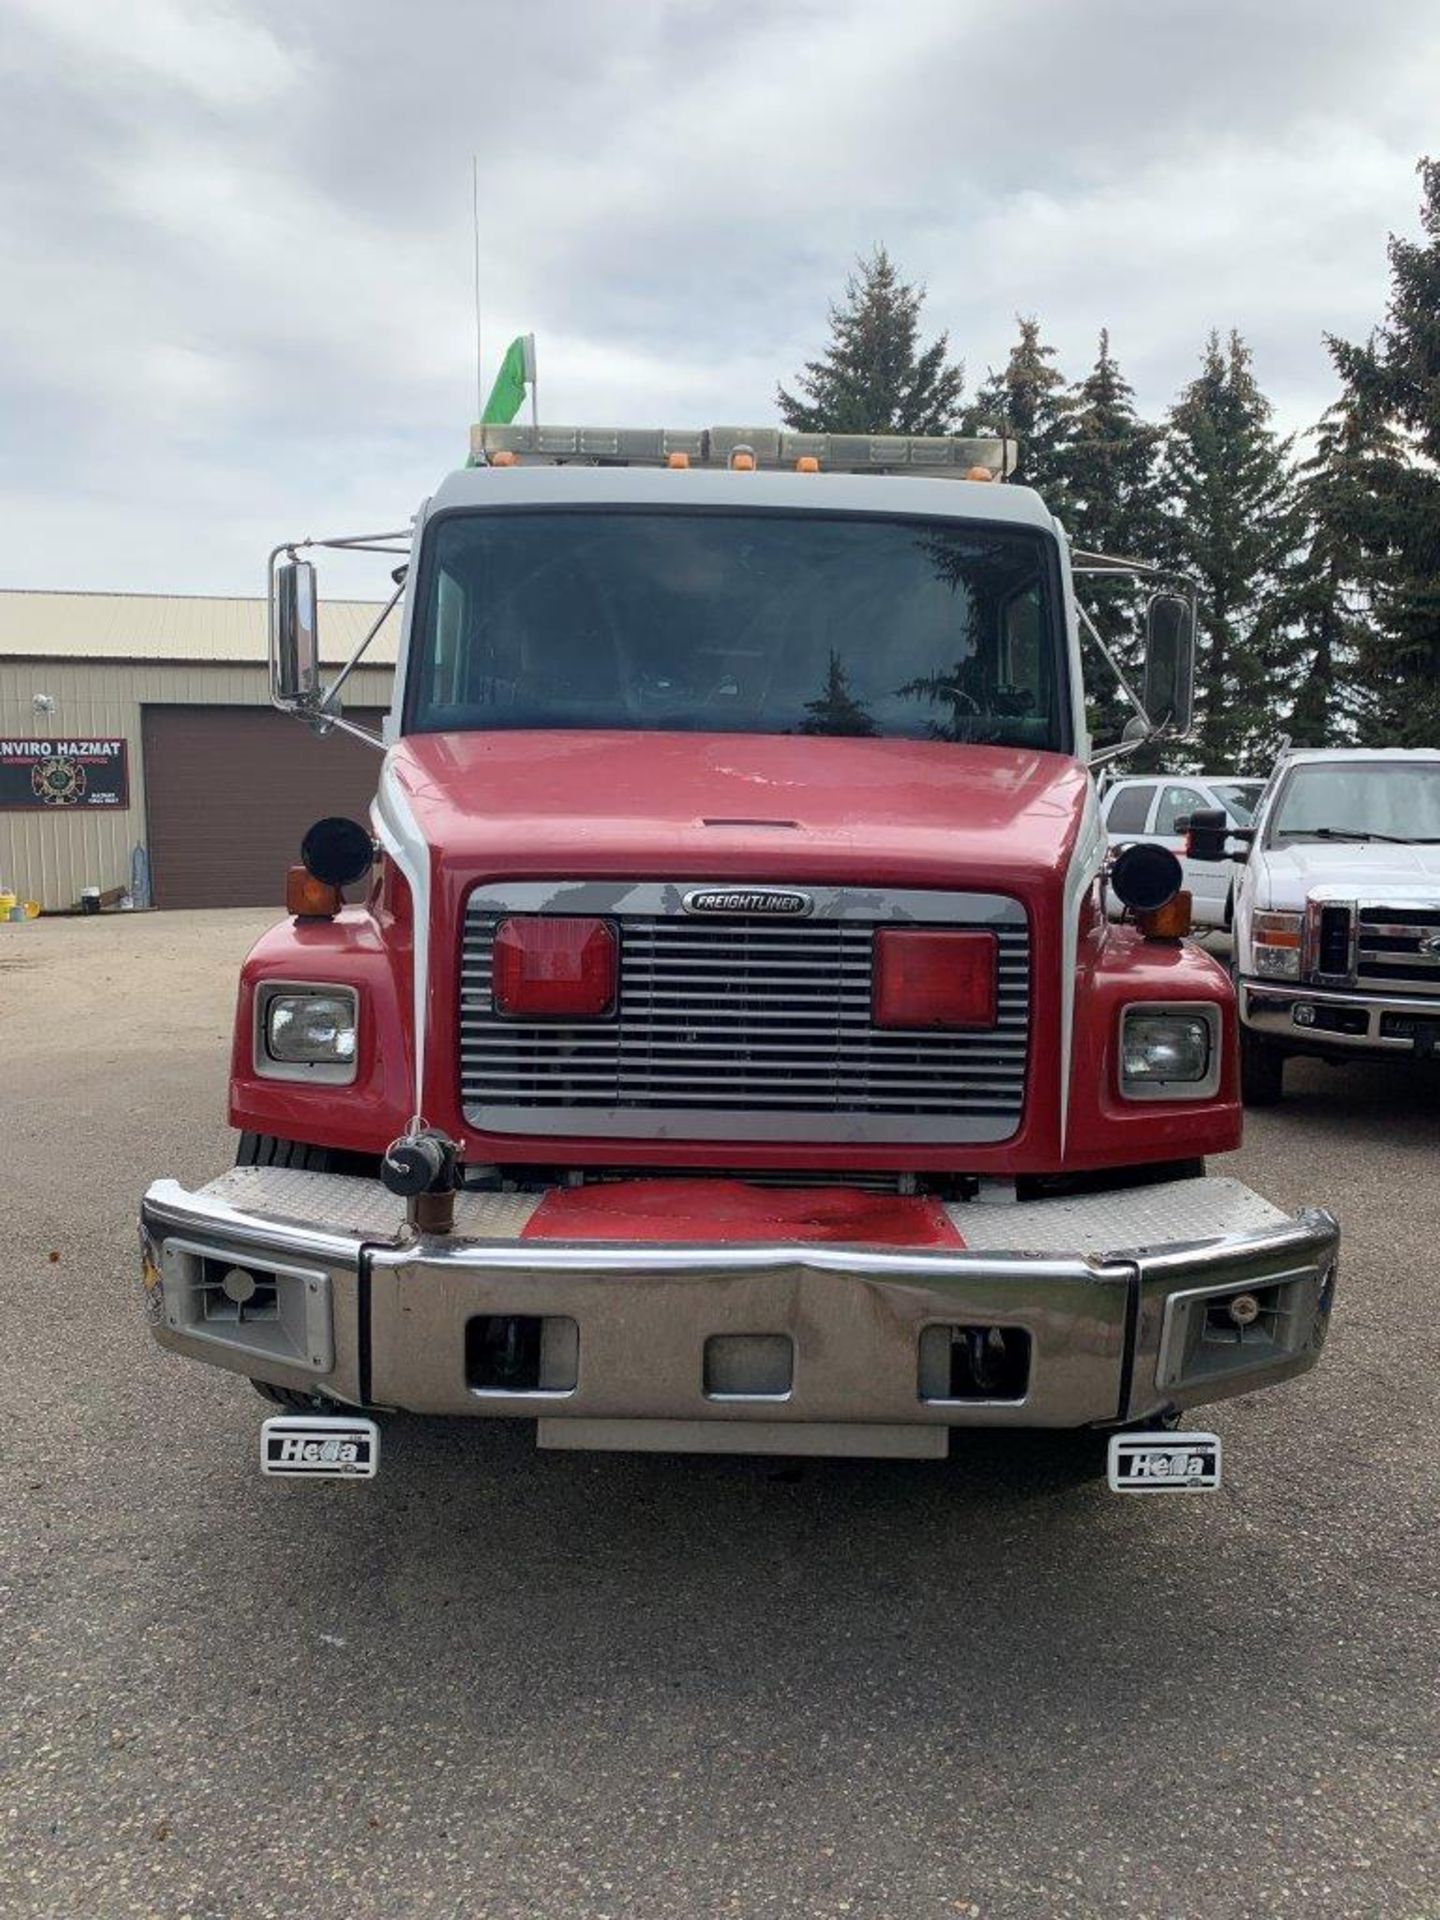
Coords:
753,806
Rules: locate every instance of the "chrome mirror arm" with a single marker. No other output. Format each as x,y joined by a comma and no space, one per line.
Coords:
318,710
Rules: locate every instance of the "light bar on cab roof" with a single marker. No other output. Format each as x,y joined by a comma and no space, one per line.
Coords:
949,456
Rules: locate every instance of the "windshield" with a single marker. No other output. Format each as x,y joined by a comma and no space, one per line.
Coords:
739,623
1381,799
1238,798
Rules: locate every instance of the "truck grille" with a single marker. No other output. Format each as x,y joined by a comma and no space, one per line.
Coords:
1392,946
744,1028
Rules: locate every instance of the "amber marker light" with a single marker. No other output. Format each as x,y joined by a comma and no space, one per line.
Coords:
1170,922
807,463
677,462
308,898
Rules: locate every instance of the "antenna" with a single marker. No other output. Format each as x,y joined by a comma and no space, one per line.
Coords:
479,365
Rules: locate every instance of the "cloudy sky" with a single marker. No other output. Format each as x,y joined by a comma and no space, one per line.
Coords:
237,283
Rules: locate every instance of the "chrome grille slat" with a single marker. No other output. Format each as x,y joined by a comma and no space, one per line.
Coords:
523,1050
729,1017
1389,951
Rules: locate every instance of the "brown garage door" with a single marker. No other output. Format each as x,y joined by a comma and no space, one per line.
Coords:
231,790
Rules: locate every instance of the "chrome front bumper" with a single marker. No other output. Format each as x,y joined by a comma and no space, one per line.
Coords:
1350,1019
1111,1290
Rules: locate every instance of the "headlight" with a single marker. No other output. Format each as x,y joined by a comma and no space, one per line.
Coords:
303,1035
1169,1053
1275,938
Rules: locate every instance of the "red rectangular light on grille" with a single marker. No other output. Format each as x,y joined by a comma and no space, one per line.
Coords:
553,967
934,979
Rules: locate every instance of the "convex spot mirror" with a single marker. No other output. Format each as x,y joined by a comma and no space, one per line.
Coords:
1145,877
337,850
295,660
1169,692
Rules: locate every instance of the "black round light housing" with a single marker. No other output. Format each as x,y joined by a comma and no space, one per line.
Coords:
1146,877
337,851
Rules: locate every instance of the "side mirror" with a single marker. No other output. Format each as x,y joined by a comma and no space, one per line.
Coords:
1208,829
294,635
1169,692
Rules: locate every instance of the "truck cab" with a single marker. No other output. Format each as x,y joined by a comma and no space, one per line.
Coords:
1337,915
732,1050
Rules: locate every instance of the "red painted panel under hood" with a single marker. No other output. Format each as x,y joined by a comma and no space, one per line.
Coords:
560,805
705,805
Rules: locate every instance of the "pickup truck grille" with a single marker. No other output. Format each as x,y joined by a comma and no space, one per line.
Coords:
744,1028
1392,947
1373,945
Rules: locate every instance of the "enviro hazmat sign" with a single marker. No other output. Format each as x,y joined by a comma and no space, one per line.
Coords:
41,774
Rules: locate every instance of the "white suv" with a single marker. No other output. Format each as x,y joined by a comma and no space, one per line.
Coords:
1153,806
1337,913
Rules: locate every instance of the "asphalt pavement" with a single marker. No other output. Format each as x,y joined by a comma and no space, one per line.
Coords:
496,1683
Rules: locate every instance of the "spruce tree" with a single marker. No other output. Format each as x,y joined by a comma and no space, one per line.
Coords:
837,710
875,377
1107,469
1029,400
1396,379
1333,592
1232,521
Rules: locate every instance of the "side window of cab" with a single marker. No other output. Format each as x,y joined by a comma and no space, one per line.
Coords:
1129,808
1176,804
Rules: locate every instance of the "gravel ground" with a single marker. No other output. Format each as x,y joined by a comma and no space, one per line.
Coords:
502,1683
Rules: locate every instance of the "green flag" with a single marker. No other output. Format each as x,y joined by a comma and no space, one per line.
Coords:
508,392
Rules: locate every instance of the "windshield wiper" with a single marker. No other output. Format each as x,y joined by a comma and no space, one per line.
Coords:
1358,833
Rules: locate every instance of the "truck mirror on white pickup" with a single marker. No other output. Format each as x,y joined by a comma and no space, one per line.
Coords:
1169,694
1207,832
294,634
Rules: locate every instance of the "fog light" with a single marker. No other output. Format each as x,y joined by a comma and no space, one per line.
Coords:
1244,1309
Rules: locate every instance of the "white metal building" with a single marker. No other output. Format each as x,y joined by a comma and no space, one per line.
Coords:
142,721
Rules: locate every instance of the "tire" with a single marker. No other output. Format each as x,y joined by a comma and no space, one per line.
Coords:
296,1400
1262,1071
293,1399
264,1150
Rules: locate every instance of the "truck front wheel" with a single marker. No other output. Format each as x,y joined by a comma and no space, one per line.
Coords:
1262,1071
266,1150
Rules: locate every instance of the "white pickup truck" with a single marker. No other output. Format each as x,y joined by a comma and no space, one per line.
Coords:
1337,913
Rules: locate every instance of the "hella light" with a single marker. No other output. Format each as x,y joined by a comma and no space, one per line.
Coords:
305,1030
1169,1054
1276,940
934,979
554,967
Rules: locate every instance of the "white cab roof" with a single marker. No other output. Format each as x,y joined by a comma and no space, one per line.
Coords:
588,486
1348,756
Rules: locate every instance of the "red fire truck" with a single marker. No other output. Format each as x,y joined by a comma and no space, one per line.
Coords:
731,1050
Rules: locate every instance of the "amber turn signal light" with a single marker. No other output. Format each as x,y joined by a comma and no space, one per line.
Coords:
308,898
1170,922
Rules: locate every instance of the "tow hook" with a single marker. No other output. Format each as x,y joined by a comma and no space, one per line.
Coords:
422,1168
